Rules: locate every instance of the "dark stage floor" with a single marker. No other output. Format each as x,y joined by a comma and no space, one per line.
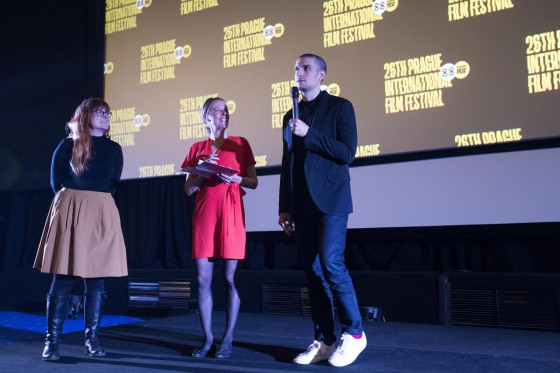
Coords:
267,343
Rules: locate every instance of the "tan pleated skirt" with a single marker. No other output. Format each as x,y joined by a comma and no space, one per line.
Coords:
82,236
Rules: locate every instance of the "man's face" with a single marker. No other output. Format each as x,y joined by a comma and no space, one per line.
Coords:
308,77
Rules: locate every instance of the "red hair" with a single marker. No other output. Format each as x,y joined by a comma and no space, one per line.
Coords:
78,129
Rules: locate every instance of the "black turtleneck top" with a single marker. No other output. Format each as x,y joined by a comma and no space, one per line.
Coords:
103,170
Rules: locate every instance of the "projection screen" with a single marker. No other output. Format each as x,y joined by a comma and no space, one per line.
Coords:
422,75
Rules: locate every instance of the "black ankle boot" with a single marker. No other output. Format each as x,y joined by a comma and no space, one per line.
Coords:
57,309
93,309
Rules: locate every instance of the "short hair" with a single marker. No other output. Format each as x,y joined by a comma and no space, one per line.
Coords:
321,64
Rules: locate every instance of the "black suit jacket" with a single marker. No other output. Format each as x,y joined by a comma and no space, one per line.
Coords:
331,144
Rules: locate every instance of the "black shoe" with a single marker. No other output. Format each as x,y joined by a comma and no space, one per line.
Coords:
93,310
201,351
57,310
223,352
50,352
93,349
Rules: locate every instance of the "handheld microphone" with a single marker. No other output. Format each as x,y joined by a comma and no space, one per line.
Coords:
295,100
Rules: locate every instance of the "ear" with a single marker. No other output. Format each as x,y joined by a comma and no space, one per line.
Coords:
322,73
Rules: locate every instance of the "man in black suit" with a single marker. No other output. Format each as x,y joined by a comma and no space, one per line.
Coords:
315,196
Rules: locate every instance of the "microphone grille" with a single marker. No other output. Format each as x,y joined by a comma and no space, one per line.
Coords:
295,92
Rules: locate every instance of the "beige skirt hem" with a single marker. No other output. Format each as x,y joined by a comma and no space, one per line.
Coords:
82,236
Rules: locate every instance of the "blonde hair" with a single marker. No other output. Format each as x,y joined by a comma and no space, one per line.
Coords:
205,108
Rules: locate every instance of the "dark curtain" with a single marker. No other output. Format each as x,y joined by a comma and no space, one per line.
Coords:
156,218
53,56
511,255
22,216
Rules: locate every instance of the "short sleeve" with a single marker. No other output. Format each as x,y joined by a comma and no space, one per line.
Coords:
248,157
193,156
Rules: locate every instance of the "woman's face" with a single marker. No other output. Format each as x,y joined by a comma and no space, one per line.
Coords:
100,121
217,116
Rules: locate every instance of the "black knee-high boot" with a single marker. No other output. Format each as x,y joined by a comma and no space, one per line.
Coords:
57,309
93,309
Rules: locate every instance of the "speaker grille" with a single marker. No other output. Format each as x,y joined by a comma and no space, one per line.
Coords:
168,294
287,299
522,309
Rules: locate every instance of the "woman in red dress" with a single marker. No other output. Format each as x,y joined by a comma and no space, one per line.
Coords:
218,218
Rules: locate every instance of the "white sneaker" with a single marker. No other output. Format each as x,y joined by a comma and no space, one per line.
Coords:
317,351
348,350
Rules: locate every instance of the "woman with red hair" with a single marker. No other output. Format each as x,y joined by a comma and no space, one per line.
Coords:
82,236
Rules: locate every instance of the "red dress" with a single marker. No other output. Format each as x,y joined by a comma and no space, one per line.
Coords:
219,218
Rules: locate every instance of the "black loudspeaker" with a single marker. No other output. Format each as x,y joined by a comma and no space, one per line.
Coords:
372,313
